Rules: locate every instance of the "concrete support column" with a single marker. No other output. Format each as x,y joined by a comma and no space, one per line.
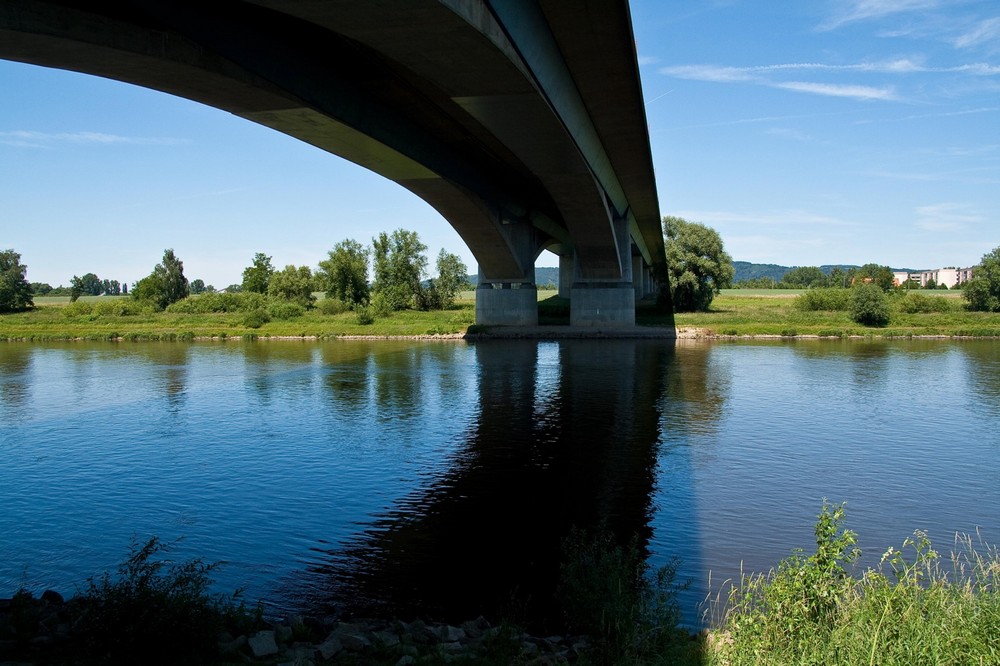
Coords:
609,303
506,303
511,300
639,278
567,266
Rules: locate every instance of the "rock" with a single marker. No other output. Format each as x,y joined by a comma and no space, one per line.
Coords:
53,597
330,647
262,643
406,660
283,633
232,645
355,642
451,634
386,639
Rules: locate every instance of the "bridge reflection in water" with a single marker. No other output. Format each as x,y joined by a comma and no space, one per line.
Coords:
566,435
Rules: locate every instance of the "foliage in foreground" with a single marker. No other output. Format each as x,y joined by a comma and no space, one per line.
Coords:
156,610
983,290
15,292
629,613
908,610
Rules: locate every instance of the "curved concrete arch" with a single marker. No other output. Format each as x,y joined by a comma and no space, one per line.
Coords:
466,103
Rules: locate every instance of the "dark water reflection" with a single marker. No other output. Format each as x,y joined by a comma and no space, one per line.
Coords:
440,478
544,452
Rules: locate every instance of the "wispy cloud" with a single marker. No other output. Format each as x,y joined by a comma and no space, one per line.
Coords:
791,217
945,217
839,90
984,31
867,10
33,139
647,60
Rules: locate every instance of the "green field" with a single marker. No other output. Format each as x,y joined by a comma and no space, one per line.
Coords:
735,312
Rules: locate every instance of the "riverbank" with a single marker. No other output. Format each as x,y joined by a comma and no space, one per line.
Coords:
735,314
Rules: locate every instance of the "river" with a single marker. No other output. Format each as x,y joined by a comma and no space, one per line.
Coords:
439,478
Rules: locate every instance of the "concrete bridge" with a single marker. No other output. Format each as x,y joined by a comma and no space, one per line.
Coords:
520,121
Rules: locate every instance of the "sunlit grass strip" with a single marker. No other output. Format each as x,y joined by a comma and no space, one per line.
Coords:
914,608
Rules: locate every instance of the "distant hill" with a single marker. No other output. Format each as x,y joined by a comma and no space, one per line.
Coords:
544,275
746,270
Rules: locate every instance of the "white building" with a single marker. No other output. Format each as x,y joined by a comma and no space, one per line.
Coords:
950,276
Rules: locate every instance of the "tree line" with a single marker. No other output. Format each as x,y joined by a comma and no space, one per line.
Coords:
698,267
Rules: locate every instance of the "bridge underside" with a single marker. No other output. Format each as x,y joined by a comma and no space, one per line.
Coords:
520,122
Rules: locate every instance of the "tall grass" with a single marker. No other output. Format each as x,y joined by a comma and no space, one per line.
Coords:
915,607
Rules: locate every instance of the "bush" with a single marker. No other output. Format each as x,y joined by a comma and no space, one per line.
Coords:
914,303
365,316
333,306
154,610
606,592
218,302
256,318
833,299
281,310
869,305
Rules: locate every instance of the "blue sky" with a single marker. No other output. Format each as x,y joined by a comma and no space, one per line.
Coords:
806,133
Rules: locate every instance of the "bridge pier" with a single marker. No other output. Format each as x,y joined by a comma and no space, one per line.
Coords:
506,303
606,302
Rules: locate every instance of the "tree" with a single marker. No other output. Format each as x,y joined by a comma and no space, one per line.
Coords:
982,291
874,274
88,285
869,304
40,288
15,292
805,276
257,276
399,266
166,284
292,284
344,274
197,286
452,278
111,287
698,264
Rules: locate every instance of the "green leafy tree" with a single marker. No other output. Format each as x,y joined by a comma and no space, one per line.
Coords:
15,292
344,274
257,276
292,284
880,276
40,288
804,277
165,285
869,304
197,286
452,277
400,264
111,287
698,263
88,285
982,291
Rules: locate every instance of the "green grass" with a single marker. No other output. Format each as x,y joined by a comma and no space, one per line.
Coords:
735,312
914,608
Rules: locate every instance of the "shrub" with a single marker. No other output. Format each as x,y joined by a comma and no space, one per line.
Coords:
606,592
333,306
365,316
155,610
382,304
914,303
219,302
834,299
281,310
256,318
869,305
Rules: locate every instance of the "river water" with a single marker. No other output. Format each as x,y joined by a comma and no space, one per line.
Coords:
439,478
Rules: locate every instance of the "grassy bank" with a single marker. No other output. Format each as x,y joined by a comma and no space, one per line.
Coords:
915,607
735,313
773,312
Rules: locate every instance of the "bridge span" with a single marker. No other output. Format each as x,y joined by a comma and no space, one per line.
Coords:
520,121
